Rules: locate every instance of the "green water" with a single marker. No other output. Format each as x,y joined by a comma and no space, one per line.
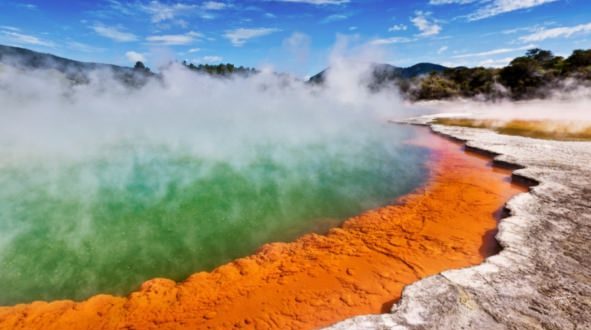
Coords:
107,222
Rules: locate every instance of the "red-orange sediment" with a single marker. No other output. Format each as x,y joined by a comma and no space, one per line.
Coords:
359,268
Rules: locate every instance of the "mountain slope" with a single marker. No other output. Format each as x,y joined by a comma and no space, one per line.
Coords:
386,72
74,70
35,60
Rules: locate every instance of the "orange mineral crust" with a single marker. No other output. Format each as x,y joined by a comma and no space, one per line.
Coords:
359,268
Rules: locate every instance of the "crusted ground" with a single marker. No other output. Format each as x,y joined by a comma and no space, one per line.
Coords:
540,129
542,277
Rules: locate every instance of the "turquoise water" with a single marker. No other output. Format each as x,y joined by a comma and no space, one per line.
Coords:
106,222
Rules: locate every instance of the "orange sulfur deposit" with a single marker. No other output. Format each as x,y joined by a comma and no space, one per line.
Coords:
359,268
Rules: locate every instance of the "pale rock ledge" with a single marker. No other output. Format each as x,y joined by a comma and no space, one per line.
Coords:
542,278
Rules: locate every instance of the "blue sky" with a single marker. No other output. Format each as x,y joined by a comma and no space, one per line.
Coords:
296,36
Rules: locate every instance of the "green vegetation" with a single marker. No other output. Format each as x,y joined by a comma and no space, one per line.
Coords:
540,129
220,69
140,67
384,74
529,76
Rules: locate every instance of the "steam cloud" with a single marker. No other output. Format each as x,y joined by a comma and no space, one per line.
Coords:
567,103
41,111
101,182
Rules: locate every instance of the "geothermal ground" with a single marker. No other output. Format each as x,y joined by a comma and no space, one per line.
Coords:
359,268
541,279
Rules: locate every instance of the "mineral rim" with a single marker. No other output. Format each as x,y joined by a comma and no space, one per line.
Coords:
542,277
358,268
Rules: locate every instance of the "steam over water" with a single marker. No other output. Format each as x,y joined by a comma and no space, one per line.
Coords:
103,187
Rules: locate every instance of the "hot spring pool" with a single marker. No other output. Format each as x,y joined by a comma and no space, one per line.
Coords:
71,228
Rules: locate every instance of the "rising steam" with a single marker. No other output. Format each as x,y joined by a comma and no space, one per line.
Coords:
104,186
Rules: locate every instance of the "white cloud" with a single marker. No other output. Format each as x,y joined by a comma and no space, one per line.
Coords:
207,15
182,23
560,32
297,40
397,27
389,41
334,18
497,7
168,12
82,47
214,5
194,50
239,37
162,12
442,49
175,39
495,63
427,27
135,57
29,6
121,8
495,52
297,45
489,62
11,28
526,29
114,34
493,7
21,38
447,2
318,2
212,59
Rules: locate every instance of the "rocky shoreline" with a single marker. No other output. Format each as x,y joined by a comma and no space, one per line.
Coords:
542,277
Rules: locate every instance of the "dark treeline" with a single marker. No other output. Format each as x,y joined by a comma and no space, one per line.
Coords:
526,77
214,70
220,69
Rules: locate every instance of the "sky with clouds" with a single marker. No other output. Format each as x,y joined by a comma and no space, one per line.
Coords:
295,36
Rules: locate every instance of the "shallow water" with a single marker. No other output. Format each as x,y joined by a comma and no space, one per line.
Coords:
104,223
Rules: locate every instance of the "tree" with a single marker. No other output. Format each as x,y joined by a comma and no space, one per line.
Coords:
579,58
472,81
528,76
139,65
435,87
481,81
540,55
579,64
523,76
219,69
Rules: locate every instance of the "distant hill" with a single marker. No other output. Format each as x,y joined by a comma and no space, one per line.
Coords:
536,75
421,69
531,76
75,70
31,59
78,71
385,73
